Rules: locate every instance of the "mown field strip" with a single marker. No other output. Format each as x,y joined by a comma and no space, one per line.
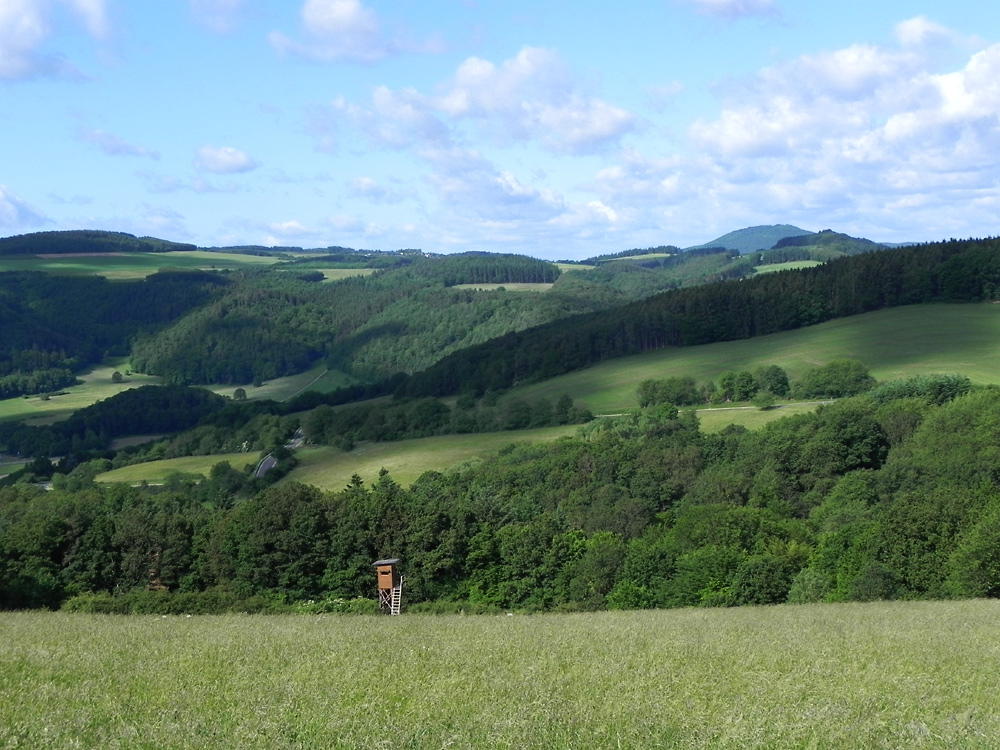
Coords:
892,675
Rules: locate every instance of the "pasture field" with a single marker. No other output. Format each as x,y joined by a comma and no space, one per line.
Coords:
789,266
895,343
97,385
336,274
318,379
158,472
511,287
881,675
331,469
125,266
714,419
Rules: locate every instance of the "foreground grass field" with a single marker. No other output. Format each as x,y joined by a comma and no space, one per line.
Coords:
886,675
894,343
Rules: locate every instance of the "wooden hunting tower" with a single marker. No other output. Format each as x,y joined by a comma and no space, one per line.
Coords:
390,585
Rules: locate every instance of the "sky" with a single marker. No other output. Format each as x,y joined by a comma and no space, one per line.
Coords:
552,129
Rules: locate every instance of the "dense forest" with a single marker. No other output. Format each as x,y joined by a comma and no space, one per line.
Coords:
53,326
86,241
888,494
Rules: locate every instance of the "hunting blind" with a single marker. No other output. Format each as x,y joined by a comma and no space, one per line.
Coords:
390,585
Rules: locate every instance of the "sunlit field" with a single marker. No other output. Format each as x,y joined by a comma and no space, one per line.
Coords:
123,266
895,343
97,385
883,675
789,266
510,287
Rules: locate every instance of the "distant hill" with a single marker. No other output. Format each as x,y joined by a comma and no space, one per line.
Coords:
821,246
751,239
86,241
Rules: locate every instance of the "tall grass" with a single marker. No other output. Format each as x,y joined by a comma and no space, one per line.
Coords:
900,675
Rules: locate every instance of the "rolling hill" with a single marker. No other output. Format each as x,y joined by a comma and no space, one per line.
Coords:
751,239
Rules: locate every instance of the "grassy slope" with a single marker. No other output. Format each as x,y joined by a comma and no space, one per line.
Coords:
97,385
131,265
900,675
791,265
892,343
331,469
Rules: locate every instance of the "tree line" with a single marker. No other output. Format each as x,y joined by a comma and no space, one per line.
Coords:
889,494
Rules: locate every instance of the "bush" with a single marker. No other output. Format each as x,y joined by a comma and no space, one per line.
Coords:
836,379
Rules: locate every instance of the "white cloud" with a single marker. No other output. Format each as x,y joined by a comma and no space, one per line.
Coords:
344,30
15,214
920,31
218,15
374,191
115,146
25,25
530,97
94,15
224,160
866,134
471,184
732,9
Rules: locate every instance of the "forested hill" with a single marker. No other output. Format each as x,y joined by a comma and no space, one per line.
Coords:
86,241
51,326
751,239
955,271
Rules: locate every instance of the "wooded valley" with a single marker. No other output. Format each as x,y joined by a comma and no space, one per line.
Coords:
890,492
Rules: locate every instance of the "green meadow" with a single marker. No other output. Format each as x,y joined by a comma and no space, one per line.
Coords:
97,385
883,675
789,266
894,343
122,266
318,379
510,287
158,472
331,469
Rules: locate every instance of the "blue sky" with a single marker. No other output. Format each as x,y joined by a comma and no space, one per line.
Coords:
556,129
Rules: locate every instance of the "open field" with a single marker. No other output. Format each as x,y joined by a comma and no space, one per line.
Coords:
894,343
157,472
511,287
331,469
123,266
789,266
97,385
318,379
336,274
714,419
883,675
